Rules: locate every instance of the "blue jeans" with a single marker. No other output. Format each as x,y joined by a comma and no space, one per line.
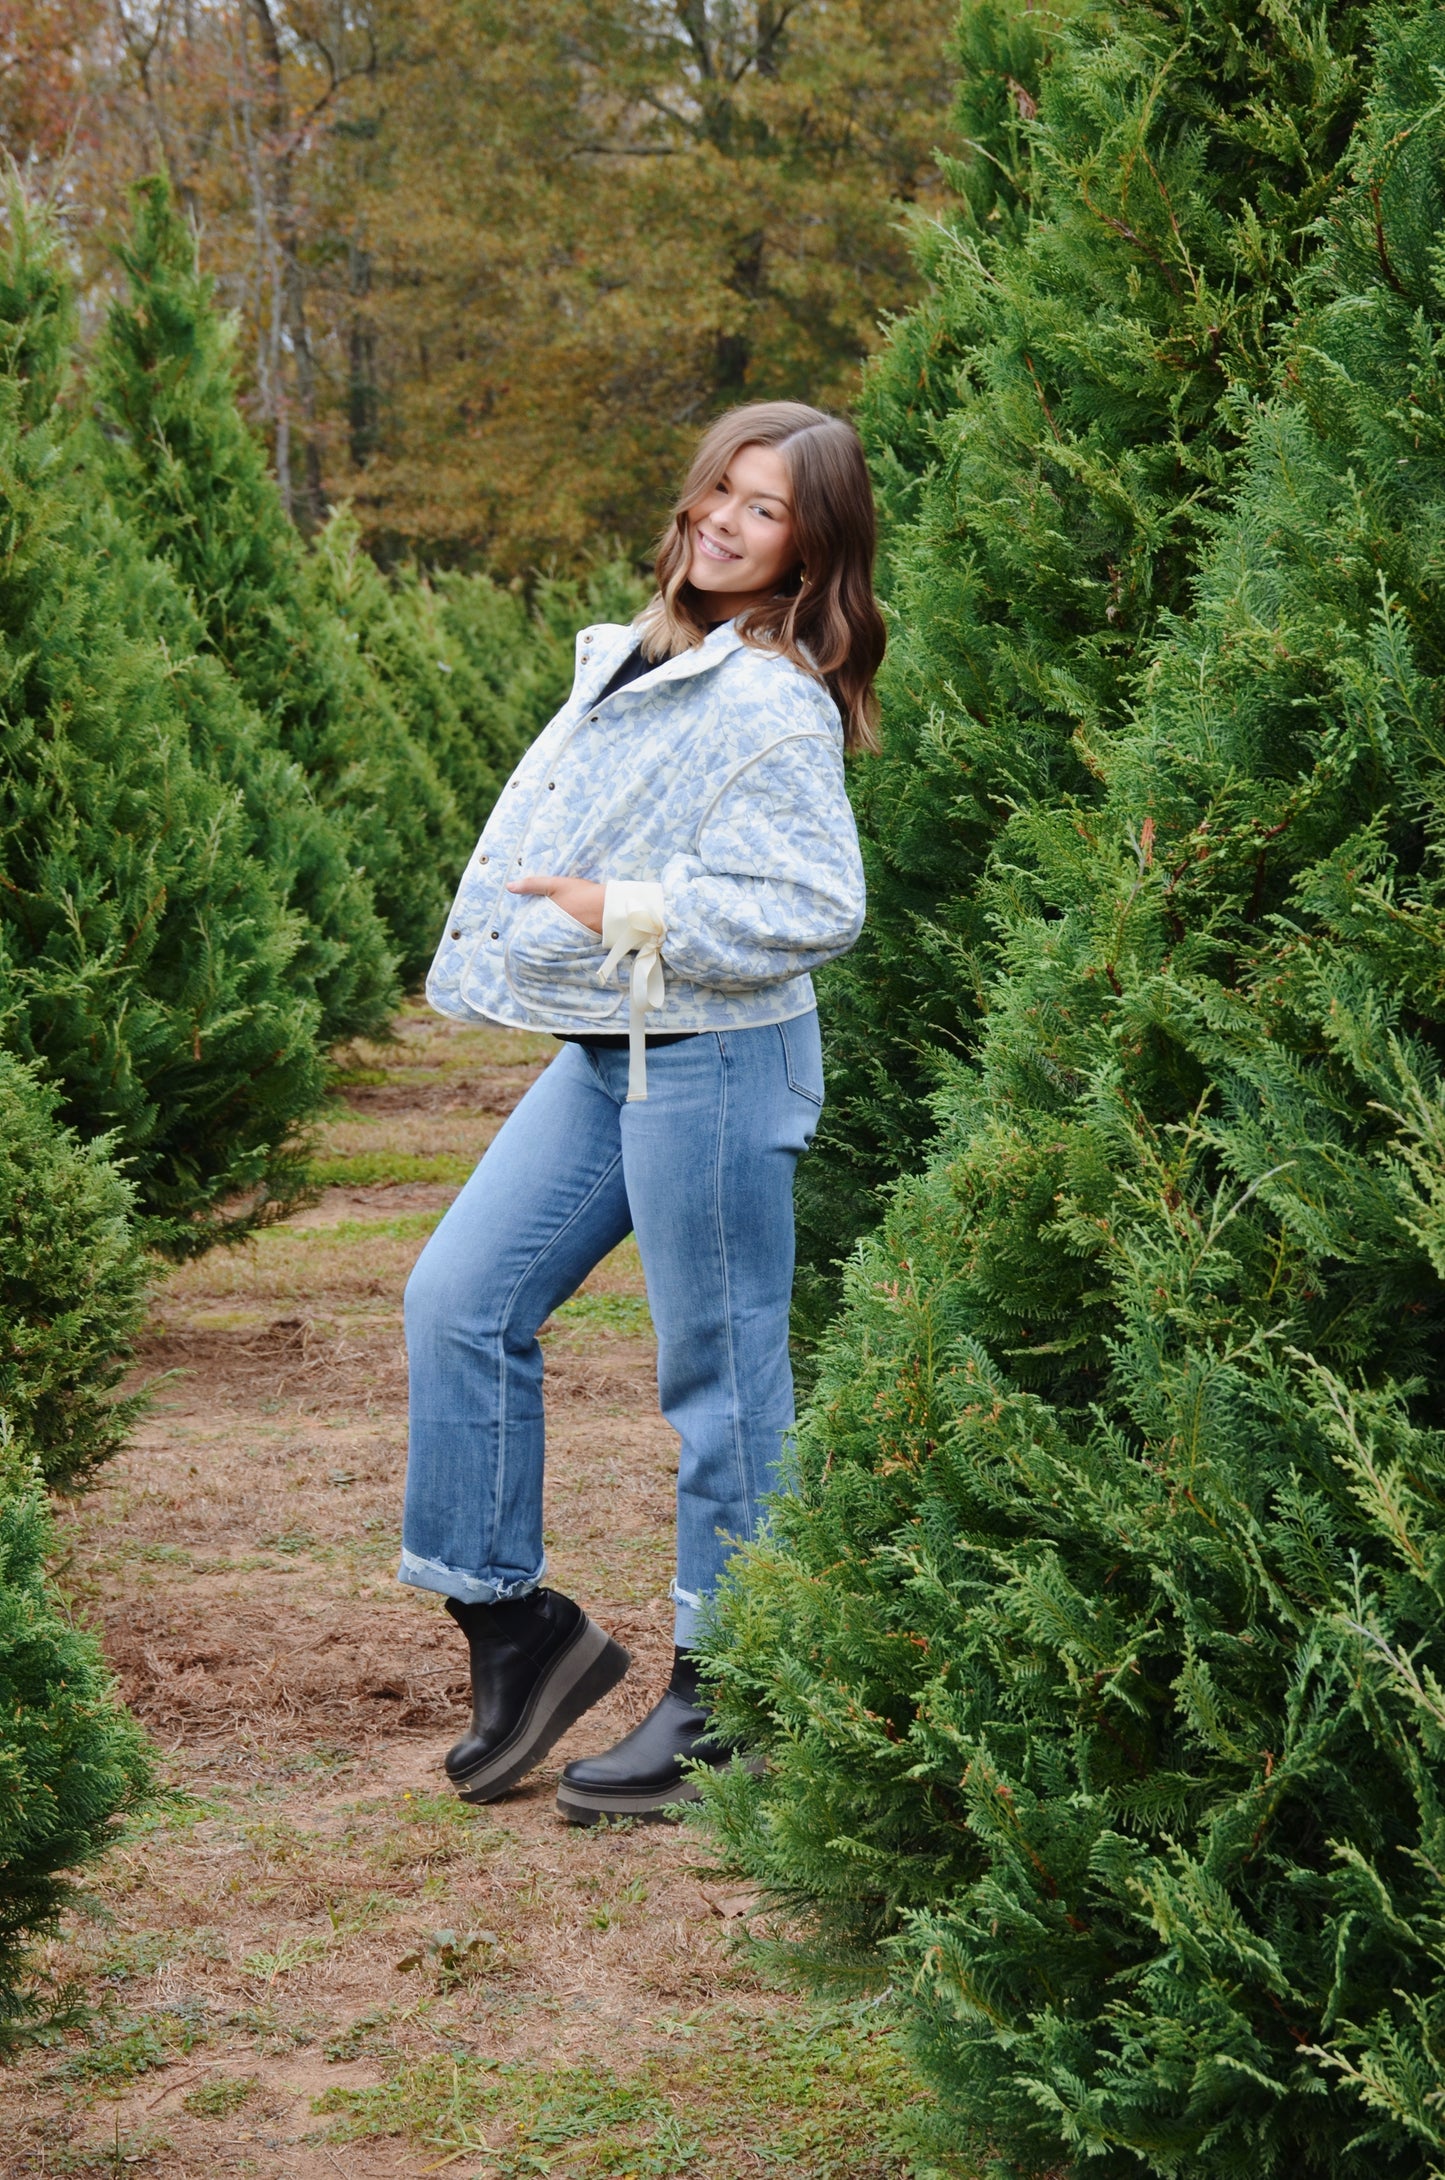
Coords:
702,1172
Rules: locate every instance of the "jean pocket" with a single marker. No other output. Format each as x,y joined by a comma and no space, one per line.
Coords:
803,1056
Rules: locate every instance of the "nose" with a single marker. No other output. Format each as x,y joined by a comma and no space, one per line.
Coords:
725,517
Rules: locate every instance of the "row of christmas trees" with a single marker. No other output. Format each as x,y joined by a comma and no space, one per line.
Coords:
1099,1655
238,777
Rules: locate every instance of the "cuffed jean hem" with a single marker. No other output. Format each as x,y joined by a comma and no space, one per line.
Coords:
686,1616
470,1589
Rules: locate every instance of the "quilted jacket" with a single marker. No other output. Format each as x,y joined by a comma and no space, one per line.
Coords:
708,796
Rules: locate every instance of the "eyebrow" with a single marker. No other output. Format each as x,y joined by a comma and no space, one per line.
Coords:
778,496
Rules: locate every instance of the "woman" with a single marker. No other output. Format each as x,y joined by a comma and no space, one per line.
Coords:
685,808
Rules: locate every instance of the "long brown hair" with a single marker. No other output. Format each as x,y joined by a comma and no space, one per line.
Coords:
826,619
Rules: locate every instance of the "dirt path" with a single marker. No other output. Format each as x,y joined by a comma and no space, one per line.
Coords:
312,1961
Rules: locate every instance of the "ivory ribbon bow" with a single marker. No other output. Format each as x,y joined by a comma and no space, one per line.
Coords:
633,923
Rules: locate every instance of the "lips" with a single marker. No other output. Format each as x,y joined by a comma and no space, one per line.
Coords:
712,550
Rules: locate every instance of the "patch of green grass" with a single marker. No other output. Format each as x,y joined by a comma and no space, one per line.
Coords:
291,1953
383,1169
346,1233
359,1078
607,1312
223,2095
140,1954
117,2153
173,1809
355,1912
452,1813
272,2031
366,2037
161,1555
405,1226
242,1320
143,1952
427,1829
279,1839
122,2051
289,1542
362,1553
324,1759
461,2103
818,2095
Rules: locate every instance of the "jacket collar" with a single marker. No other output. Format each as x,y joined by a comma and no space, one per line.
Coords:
612,641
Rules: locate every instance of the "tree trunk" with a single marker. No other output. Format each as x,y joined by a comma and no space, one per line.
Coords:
309,501
362,405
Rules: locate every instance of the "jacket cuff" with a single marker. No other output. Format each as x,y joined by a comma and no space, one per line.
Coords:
633,914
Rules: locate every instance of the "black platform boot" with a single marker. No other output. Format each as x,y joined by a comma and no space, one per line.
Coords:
643,1773
538,1663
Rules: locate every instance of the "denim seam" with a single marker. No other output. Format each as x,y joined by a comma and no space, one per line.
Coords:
799,1089
744,1494
596,1189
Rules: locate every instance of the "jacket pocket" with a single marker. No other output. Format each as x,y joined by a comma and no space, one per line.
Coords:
551,962
803,1055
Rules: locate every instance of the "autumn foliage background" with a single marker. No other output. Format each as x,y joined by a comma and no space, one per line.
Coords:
493,264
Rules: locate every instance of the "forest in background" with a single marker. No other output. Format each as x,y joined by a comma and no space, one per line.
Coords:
494,265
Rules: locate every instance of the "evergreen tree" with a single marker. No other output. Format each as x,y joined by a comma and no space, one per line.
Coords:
402,639
70,1758
1050,431
1099,1658
477,667
1003,56
187,473
513,658
342,960
72,1281
144,959
72,1286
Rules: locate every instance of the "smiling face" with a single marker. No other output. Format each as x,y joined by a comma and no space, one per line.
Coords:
742,534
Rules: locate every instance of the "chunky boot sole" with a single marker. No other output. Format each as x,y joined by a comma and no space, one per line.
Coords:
578,1677
593,1805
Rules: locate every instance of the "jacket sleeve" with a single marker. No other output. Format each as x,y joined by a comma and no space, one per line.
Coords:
774,885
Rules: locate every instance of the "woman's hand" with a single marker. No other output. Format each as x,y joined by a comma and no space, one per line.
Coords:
579,897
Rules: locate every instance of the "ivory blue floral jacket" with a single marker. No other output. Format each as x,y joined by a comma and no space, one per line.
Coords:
713,782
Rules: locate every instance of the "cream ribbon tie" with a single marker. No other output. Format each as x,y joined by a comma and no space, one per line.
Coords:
633,923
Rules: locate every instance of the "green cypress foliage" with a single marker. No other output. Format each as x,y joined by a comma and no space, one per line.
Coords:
475,666
188,474
70,1758
143,956
72,1286
513,658
342,959
1050,431
400,634
1003,56
1099,1656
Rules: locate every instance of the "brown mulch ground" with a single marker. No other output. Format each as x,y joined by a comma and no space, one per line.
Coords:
582,2003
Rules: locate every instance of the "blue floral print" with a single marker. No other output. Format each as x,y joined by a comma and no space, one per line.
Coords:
718,775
